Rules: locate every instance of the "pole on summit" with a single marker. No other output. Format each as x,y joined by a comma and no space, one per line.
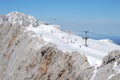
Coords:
85,38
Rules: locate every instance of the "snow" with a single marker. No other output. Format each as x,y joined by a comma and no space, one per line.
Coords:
94,73
66,41
106,40
111,76
116,67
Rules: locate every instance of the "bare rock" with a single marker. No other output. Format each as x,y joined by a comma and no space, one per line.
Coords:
110,67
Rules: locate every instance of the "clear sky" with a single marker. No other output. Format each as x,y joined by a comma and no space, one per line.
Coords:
99,16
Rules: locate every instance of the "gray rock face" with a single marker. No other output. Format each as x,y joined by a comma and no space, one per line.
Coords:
112,57
24,56
116,77
110,68
3,18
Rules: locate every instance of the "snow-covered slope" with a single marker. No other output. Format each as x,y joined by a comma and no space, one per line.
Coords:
34,50
66,41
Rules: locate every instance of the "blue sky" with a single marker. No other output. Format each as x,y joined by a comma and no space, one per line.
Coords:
98,16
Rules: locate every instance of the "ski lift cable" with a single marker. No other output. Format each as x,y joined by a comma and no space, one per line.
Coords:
98,34
93,33
56,19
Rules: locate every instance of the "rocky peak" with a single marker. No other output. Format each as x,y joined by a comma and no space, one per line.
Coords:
22,19
24,56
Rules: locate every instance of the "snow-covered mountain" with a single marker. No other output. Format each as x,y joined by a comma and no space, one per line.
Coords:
66,41
95,51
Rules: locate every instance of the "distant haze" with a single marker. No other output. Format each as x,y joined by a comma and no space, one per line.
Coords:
98,16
